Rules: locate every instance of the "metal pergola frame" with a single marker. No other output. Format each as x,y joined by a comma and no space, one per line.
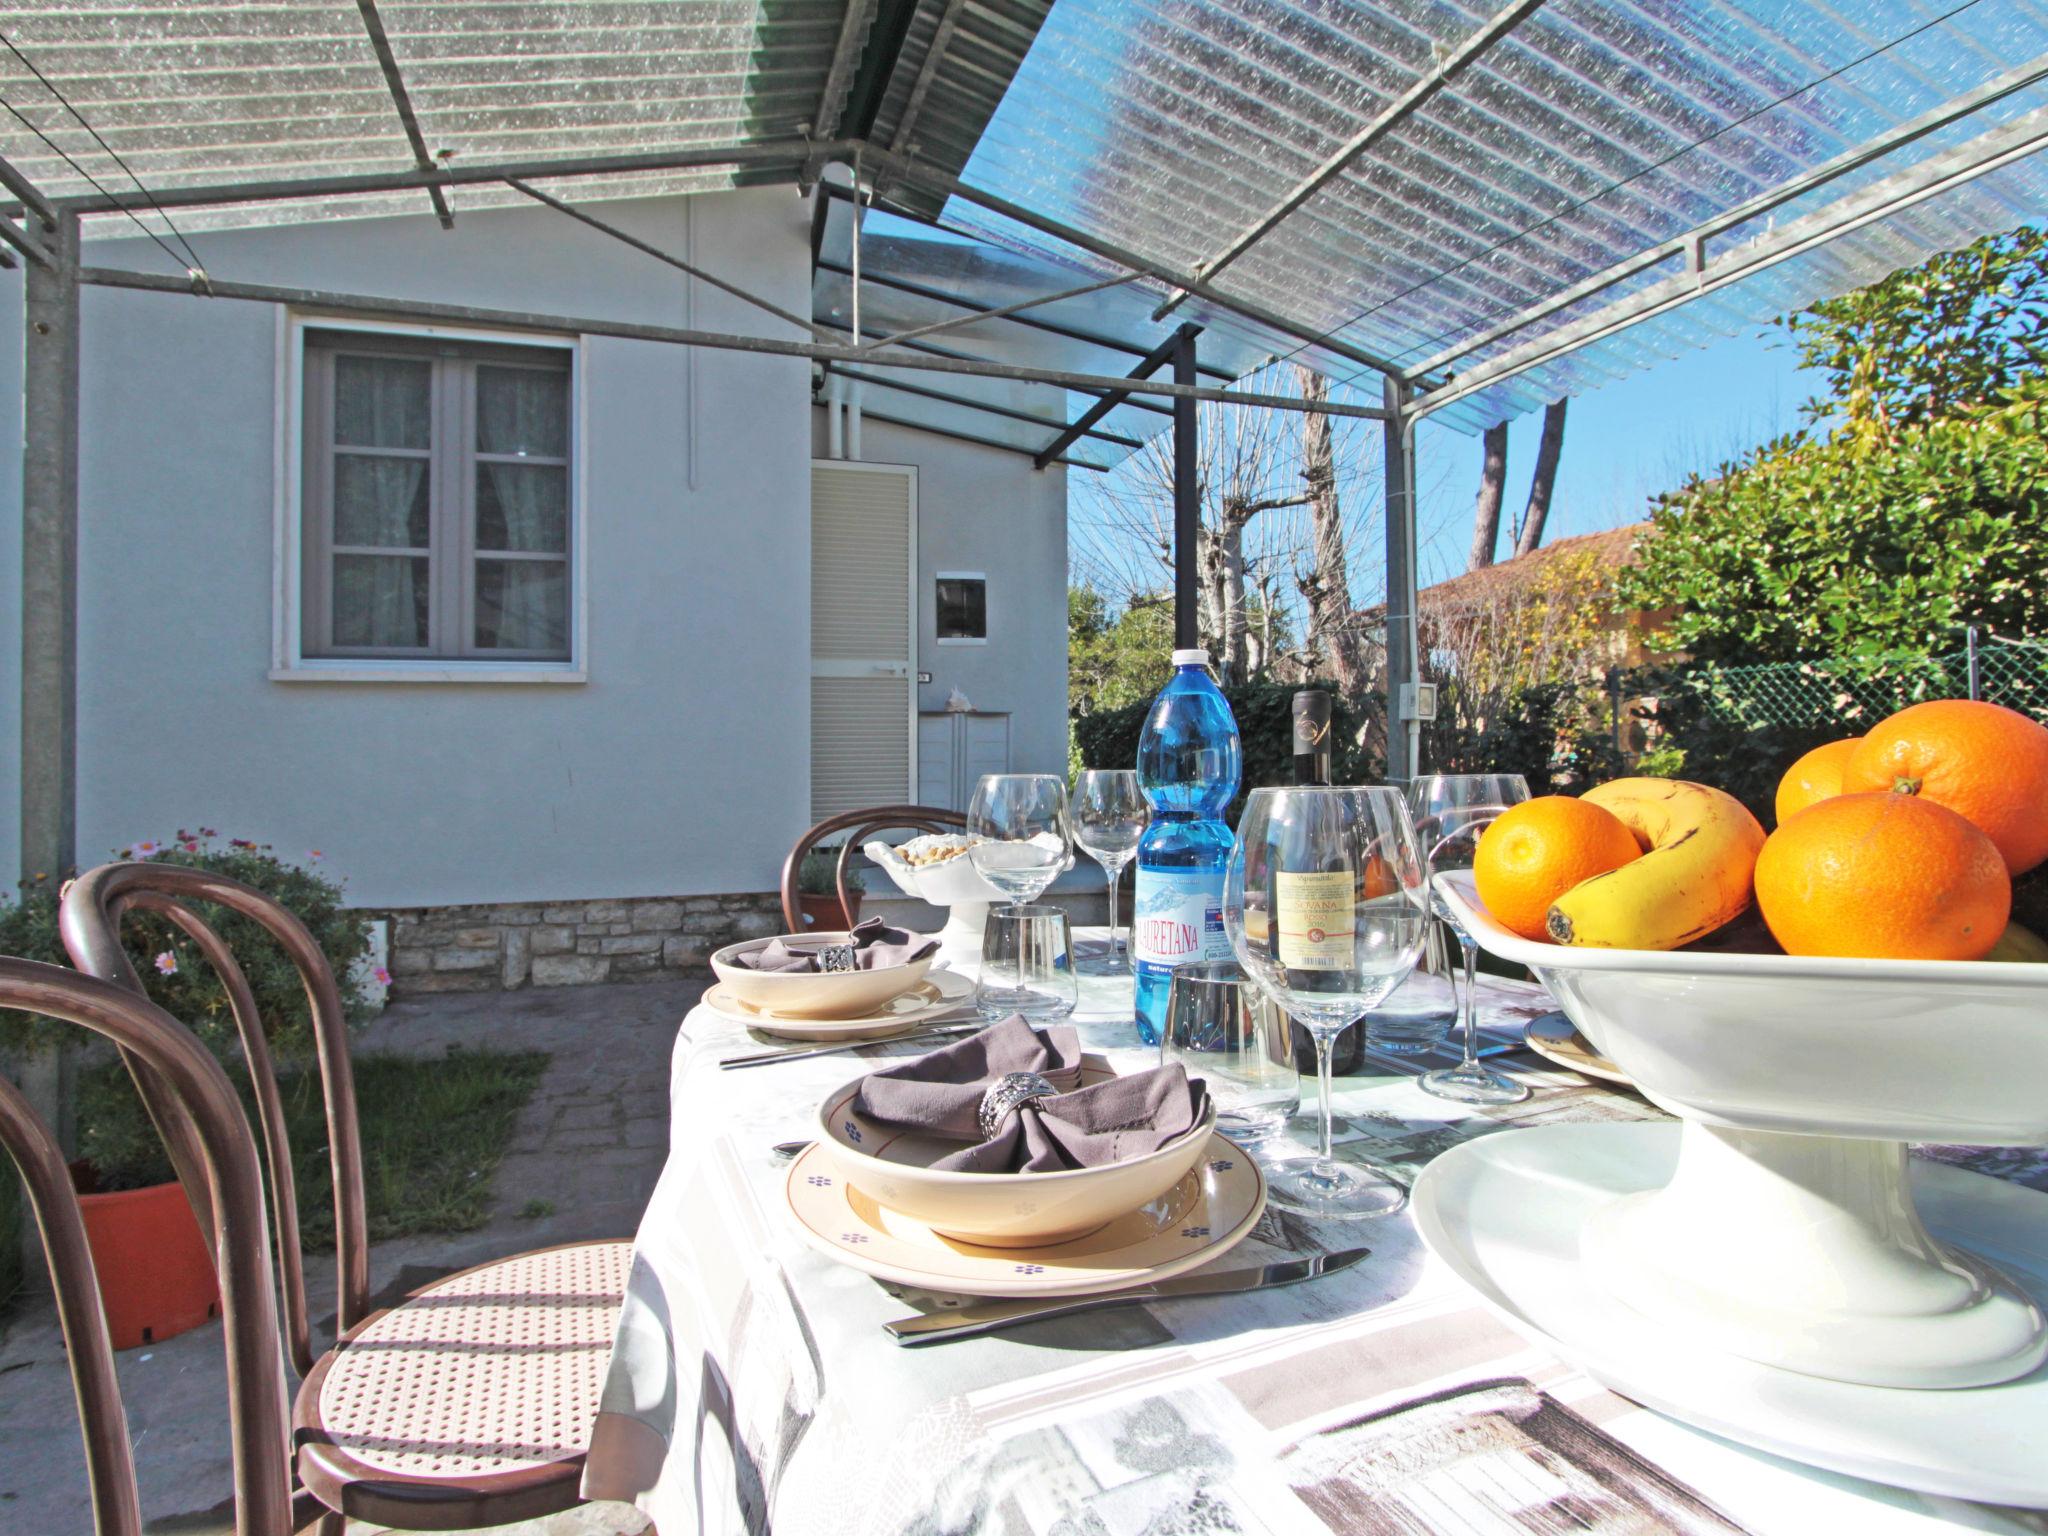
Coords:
45,232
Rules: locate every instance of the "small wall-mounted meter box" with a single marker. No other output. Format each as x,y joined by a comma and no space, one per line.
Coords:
1418,701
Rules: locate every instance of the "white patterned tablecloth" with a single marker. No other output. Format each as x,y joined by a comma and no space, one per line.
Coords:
752,1387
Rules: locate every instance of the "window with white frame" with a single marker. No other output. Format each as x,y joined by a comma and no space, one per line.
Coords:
961,606
437,499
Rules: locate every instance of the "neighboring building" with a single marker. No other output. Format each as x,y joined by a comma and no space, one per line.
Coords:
551,644
1583,561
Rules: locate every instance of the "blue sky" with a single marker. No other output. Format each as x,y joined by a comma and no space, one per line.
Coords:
1623,444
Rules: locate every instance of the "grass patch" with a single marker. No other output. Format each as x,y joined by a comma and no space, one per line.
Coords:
433,1132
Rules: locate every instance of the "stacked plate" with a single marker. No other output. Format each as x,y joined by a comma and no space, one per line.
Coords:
866,1195
822,1006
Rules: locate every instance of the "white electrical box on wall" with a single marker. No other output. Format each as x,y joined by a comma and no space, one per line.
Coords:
1418,701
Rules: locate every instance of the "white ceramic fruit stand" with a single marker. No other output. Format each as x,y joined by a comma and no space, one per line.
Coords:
1785,1269
952,883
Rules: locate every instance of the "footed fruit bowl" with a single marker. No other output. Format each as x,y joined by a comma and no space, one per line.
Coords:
1787,1233
944,876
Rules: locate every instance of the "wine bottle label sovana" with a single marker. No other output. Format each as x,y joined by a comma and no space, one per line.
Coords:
1317,919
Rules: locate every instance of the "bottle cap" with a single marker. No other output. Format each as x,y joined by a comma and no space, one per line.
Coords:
1191,658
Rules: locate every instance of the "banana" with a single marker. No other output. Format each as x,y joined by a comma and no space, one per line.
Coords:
1700,847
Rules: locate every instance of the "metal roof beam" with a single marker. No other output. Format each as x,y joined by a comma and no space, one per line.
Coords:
779,152
853,36
1168,349
2002,146
917,173
1004,311
23,242
1687,244
468,314
401,99
927,72
660,255
936,351
968,437
1396,112
30,195
1011,413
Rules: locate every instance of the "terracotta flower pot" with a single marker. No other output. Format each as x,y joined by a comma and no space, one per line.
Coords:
823,911
156,1276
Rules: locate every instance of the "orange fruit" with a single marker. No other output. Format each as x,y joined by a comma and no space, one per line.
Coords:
1987,763
1816,776
1538,850
1883,877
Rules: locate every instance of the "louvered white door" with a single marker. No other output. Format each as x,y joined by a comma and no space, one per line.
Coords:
863,654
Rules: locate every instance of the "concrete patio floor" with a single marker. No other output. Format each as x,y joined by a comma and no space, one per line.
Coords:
590,1143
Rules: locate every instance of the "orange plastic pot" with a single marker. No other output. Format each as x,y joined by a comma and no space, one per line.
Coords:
823,911
156,1276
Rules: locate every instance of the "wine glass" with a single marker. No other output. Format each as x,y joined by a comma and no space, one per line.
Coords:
1027,840
1110,814
1451,810
1326,899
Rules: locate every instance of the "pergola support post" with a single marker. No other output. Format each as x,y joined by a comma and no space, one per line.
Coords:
1187,497
49,632
1404,732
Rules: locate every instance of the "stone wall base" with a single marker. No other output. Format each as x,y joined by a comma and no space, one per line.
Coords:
569,943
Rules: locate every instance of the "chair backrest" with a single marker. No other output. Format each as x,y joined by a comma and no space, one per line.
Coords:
199,1095
89,918
859,826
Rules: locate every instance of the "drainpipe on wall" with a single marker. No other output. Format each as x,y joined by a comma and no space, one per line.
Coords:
853,420
834,442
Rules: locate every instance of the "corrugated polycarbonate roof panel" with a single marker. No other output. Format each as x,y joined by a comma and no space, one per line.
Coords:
201,94
1593,131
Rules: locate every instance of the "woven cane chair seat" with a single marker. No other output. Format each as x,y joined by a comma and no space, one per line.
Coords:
488,1380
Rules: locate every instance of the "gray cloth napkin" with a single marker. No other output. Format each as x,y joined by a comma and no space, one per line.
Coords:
940,1094
876,947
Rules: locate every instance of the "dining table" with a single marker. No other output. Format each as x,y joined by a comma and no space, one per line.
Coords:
753,1386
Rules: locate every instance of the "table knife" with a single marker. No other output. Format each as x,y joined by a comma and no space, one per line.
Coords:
762,1058
979,1317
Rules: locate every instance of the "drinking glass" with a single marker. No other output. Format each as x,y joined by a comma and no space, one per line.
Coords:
1224,1030
1027,964
1027,841
1326,900
1451,810
1110,814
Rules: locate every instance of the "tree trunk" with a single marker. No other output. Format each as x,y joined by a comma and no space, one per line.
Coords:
1328,586
1493,474
1546,477
1230,591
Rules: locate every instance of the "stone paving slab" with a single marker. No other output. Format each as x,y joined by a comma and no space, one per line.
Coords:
590,1144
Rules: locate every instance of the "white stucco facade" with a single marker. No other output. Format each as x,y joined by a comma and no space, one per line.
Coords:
679,764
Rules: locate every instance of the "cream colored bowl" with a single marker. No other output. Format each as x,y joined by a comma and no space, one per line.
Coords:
814,994
998,1210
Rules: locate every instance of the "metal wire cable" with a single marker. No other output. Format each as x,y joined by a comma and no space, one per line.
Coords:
190,259
1615,186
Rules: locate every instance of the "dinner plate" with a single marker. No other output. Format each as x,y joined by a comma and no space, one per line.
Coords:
941,992
1553,1037
1504,1212
1206,1213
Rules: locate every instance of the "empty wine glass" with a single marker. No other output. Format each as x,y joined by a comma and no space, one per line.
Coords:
1326,899
1451,810
1110,814
1026,839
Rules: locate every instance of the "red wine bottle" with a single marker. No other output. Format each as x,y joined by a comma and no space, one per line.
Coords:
1312,737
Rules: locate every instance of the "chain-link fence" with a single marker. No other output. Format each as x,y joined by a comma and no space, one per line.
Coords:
1802,695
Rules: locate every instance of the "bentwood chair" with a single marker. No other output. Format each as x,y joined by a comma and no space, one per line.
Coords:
879,818
469,1403
190,1084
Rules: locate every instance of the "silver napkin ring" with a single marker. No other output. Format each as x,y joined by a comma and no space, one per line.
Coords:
839,957
1005,1094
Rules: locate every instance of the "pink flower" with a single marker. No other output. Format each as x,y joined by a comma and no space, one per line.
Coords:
208,832
167,964
190,845
383,976
313,854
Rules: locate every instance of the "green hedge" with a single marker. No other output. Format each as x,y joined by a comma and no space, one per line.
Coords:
1265,727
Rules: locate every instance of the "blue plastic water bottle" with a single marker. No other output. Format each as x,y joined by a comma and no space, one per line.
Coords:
1189,763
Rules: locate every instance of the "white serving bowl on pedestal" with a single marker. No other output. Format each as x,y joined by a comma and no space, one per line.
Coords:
954,884
1787,1233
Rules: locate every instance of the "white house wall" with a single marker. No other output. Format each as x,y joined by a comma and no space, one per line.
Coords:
682,764
983,509
10,575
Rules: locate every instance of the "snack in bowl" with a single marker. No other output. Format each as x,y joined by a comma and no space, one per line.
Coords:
910,1137
934,848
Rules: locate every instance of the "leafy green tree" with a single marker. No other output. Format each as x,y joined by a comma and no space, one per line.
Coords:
1923,508
1114,660
1955,333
